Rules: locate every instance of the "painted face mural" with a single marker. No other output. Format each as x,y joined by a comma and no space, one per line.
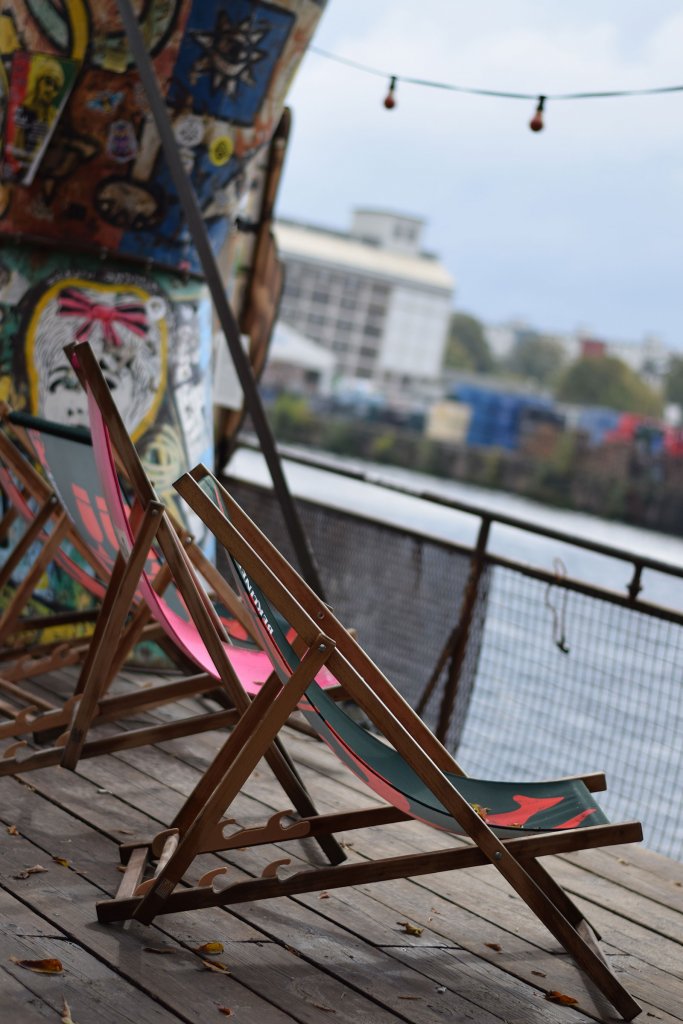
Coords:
131,346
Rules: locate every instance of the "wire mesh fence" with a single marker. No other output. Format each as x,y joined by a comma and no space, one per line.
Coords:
556,679
400,591
609,699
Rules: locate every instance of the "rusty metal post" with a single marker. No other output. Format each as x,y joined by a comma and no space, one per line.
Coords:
456,647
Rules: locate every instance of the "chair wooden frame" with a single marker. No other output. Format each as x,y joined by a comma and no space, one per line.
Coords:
201,825
152,525
34,500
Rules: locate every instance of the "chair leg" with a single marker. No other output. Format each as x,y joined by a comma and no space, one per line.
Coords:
580,946
560,898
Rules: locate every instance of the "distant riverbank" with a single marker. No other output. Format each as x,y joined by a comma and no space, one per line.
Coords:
619,481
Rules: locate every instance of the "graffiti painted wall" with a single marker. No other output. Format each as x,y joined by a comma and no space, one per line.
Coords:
94,244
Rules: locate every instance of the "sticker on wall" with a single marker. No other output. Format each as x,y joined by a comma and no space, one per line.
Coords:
38,90
122,143
189,130
220,150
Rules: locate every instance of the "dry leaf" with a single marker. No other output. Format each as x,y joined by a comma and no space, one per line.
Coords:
323,895
159,949
494,945
12,830
211,948
61,860
326,1009
539,974
39,966
37,869
216,966
225,1010
410,929
483,812
66,1013
560,997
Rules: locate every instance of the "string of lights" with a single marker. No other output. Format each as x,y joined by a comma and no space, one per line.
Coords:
536,123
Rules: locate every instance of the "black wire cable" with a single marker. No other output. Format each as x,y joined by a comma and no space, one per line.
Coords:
500,94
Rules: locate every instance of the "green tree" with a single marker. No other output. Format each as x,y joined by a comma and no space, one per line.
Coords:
467,347
674,380
606,380
537,356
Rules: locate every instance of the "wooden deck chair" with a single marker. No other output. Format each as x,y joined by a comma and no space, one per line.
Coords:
510,825
72,497
48,536
48,532
191,620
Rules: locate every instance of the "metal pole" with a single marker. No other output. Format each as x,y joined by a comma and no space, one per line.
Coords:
225,315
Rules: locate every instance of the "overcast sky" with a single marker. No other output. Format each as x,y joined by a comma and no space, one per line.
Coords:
576,226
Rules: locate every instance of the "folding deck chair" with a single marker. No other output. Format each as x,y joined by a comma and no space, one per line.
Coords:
510,825
142,533
48,536
73,505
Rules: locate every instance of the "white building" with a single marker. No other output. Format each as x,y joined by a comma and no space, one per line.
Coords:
370,296
297,364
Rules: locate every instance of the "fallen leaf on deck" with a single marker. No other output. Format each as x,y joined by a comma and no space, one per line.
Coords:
211,948
410,929
622,860
539,974
66,1013
215,966
323,895
326,1009
39,966
159,949
560,997
225,1010
61,860
494,945
12,830
37,869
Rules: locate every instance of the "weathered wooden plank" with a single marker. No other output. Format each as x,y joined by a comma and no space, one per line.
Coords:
177,984
92,990
20,1004
356,989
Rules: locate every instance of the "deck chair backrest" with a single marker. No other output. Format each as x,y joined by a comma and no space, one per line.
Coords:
531,807
110,442
27,490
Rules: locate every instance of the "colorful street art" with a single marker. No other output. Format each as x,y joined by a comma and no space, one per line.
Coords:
94,244
225,67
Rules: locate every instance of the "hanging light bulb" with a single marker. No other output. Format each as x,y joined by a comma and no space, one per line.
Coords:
390,99
536,122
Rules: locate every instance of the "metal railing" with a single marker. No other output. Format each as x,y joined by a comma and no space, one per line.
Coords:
524,671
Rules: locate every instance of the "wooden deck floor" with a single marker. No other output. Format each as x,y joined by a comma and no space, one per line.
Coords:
342,956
